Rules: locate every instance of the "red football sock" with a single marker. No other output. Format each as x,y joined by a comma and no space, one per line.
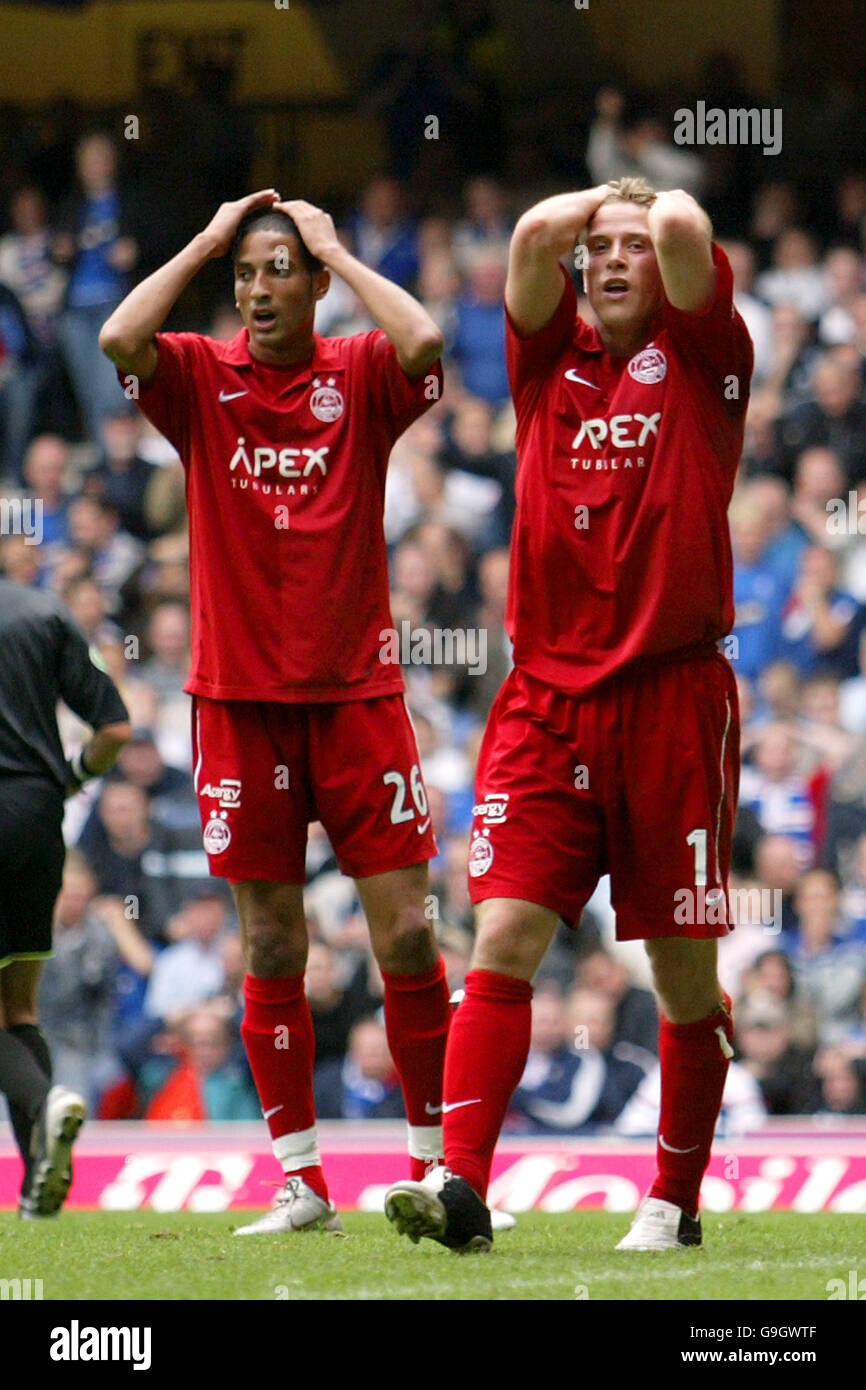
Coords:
487,1051
694,1065
277,1031
417,1015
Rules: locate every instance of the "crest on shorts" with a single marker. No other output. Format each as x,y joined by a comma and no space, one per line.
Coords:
649,366
326,402
480,855
217,835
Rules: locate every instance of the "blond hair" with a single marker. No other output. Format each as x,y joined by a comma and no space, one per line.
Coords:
630,190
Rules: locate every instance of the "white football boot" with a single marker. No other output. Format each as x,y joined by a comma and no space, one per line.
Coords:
50,1168
659,1225
297,1208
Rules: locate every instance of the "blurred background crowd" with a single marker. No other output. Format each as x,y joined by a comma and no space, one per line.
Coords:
141,1001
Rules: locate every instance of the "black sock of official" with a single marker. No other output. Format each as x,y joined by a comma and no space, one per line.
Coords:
22,1124
23,1082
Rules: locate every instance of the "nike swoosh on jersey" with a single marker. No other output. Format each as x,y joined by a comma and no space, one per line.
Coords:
232,395
572,376
456,1104
671,1150
421,828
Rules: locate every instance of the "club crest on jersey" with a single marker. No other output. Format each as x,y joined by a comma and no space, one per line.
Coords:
327,402
492,809
649,366
217,835
480,854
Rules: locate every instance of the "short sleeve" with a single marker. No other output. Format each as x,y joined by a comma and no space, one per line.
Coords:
716,338
166,399
529,356
86,687
399,398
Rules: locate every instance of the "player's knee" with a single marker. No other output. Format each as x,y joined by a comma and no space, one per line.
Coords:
272,948
685,977
408,945
511,942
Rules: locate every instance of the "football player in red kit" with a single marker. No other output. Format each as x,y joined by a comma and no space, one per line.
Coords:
285,437
613,746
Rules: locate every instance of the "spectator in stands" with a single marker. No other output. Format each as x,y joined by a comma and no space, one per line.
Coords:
19,384
852,694
333,1008
854,891
755,313
789,379
384,237
206,1082
842,1081
626,143
574,1080
86,602
191,969
830,971
782,1069
470,446
27,269
834,417
820,622
795,277
76,1001
112,555
130,857
364,1085
772,977
758,590
46,477
123,477
636,1019
95,241
843,272
777,793
167,638
479,340
487,221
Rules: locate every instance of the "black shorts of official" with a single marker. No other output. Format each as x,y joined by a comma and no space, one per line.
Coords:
31,865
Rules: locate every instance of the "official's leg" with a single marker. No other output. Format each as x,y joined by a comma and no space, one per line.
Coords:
25,1062
417,1011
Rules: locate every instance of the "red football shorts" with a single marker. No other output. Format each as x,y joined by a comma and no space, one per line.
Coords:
638,780
264,770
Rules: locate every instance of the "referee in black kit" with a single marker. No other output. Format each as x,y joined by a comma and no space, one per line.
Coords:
44,657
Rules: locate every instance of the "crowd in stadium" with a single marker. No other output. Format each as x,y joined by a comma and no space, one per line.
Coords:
142,999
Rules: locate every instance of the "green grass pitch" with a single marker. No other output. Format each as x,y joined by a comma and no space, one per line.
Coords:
182,1256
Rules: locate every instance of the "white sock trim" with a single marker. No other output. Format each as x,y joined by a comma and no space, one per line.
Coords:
426,1141
298,1150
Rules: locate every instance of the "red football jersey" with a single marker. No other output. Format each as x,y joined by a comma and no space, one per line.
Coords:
621,547
285,483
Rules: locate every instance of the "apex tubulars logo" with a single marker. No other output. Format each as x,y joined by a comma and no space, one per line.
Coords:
287,461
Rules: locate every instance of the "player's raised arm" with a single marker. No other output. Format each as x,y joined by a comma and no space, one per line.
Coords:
417,339
543,235
127,337
682,235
